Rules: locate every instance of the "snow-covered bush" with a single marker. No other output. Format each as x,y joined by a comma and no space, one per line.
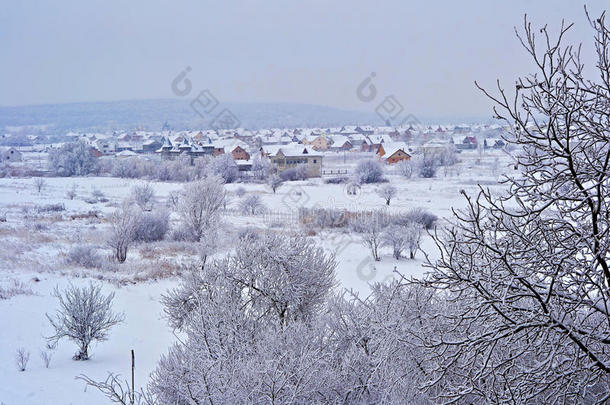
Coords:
301,172
151,226
417,215
323,217
143,195
225,167
14,288
58,207
337,180
368,171
426,164
252,205
240,192
85,256
84,315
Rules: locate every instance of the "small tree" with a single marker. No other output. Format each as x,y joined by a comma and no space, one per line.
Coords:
413,233
123,224
225,167
84,315
200,204
143,196
252,205
405,168
275,182
370,228
387,192
39,184
396,237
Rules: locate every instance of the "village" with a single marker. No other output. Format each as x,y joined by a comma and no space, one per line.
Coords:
315,148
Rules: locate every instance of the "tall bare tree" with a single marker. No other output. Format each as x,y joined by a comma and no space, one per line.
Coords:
527,274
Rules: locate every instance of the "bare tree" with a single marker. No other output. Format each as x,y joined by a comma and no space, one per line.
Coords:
39,184
200,204
71,193
413,233
123,224
387,192
22,358
526,276
368,171
84,315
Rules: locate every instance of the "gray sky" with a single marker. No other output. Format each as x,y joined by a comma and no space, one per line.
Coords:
426,53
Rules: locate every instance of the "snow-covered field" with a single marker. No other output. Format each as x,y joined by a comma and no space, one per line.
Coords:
34,244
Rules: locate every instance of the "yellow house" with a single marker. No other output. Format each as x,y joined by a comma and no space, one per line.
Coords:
320,143
292,156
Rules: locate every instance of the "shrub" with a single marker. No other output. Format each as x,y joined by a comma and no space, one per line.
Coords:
22,357
336,180
85,256
418,215
151,227
50,208
296,173
324,217
225,167
240,192
369,171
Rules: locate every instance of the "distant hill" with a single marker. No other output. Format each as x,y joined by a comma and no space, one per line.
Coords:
177,114
58,119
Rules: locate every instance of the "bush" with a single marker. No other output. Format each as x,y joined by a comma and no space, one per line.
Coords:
369,171
417,215
336,180
294,174
85,256
22,357
151,227
50,208
225,167
324,217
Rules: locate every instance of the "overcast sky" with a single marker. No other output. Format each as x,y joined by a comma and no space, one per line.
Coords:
426,53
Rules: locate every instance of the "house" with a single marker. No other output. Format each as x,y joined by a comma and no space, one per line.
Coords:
393,152
469,142
9,155
340,143
320,143
284,157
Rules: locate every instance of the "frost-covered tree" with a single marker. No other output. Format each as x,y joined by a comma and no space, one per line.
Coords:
526,276
387,192
261,167
396,237
370,228
200,204
405,168
225,167
368,171
143,195
73,159
123,223
84,315
275,182
252,205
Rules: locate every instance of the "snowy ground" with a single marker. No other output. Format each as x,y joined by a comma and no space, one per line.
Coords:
34,245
